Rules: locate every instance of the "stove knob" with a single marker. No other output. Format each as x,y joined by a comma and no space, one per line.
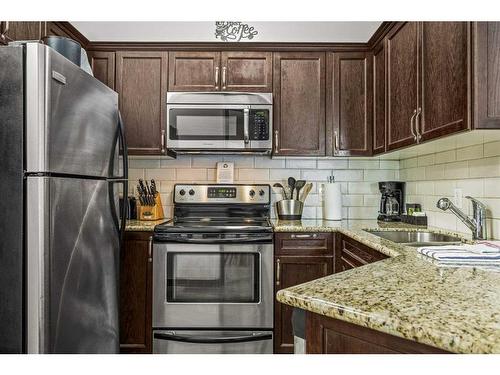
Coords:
182,192
252,193
262,192
191,192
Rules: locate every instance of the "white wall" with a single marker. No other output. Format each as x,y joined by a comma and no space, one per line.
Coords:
205,31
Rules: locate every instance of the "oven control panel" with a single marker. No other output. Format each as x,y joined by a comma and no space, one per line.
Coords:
235,194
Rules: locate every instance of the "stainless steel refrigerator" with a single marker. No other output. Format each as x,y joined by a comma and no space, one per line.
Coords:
63,166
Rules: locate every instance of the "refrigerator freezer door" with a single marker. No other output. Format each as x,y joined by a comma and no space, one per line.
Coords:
71,117
73,255
11,204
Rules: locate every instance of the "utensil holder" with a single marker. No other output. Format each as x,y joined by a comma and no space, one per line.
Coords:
289,209
150,213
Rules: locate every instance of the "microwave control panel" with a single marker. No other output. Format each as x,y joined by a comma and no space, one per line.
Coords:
259,125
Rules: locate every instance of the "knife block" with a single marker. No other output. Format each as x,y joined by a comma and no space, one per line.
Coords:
151,212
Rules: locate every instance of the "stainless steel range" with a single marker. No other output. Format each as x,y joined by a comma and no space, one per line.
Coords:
213,272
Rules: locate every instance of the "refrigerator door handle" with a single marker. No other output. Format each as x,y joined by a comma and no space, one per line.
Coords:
120,222
123,218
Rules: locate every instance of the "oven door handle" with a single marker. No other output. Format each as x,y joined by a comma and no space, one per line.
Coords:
172,336
215,241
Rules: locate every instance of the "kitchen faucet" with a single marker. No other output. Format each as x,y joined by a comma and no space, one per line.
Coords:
476,223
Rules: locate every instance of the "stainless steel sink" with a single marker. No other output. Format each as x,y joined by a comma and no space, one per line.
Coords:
417,239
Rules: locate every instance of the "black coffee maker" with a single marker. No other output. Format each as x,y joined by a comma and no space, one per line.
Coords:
392,201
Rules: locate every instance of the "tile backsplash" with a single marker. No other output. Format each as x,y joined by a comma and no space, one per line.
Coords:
358,177
474,169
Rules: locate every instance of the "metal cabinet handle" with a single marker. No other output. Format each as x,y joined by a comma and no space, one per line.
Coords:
216,77
417,124
276,139
163,141
336,143
303,236
411,125
150,250
224,78
3,33
277,272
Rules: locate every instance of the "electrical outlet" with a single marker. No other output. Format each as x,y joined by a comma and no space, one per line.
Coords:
457,197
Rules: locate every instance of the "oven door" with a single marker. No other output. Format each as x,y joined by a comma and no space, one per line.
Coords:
212,342
207,282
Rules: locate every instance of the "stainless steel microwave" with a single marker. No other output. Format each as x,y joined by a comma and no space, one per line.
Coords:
219,122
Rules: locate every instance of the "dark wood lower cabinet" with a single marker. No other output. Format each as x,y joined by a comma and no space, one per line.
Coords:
351,254
326,335
299,258
136,284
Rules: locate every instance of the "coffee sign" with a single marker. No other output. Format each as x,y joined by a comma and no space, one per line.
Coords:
228,31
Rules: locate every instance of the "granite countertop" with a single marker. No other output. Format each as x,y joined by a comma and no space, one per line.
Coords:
406,295
142,225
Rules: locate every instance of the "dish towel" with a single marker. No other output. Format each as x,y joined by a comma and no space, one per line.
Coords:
480,253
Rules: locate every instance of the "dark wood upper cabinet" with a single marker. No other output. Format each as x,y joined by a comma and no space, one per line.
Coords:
299,103
141,82
379,98
350,103
136,283
487,75
402,84
445,78
247,71
194,71
103,67
24,30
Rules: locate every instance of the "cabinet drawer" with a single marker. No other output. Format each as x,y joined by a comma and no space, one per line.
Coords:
307,244
352,254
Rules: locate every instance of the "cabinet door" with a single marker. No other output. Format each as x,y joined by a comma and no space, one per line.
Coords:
350,103
194,71
402,79
247,71
445,55
24,30
325,335
299,103
487,75
103,67
136,293
290,271
141,82
379,99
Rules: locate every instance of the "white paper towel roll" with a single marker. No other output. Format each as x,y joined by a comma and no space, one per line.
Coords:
332,201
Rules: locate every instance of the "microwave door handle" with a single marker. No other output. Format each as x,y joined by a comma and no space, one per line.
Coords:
195,339
246,116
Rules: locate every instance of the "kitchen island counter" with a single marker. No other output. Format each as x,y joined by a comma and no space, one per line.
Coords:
405,295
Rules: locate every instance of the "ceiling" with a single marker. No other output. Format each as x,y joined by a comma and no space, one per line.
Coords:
205,31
